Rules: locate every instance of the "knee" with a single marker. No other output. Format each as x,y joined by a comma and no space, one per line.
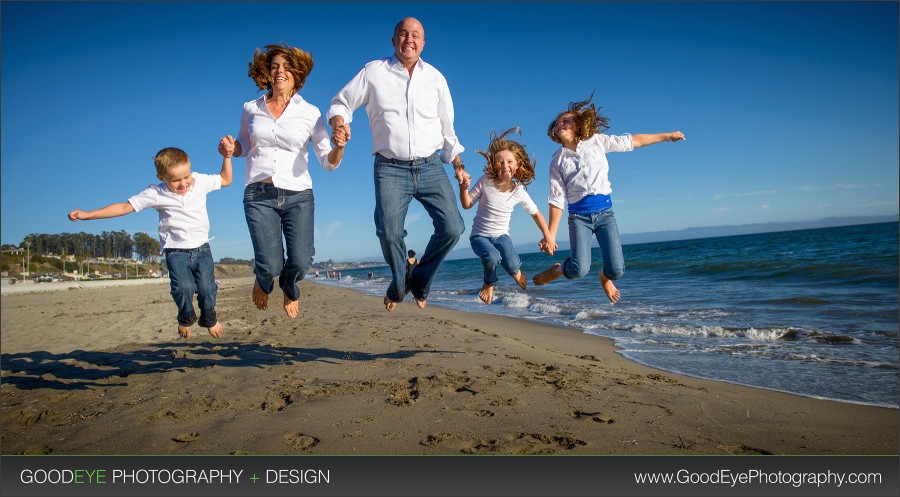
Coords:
614,273
572,269
454,227
490,261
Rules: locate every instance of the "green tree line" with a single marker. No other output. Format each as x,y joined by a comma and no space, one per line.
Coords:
108,244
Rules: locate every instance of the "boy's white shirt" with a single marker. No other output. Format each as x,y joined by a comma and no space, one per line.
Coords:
183,220
495,207
585,171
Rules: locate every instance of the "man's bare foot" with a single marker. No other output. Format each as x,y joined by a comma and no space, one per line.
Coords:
419,303
216,330
184,331
487,293
291,307
549,275
609,289
521,279
389,304
260,298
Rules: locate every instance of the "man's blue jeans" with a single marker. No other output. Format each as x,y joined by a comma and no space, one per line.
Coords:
272,213
190,272
397,183
603,226
496,251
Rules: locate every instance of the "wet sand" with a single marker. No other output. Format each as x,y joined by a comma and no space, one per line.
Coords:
103,371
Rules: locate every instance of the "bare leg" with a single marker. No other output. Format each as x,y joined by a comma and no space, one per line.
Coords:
389,304
609,288
216,330
521,279
260,298
291,307
487,293
549,275
184,331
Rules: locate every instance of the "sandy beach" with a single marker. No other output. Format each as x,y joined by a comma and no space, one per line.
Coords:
101,370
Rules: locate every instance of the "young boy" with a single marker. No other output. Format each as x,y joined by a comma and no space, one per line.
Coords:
183,232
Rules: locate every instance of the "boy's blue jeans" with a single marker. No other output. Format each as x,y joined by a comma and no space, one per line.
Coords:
603,226
397,183
496,251
272,212
190,272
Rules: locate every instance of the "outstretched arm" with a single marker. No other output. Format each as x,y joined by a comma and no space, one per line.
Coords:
112,210
643,140
226,170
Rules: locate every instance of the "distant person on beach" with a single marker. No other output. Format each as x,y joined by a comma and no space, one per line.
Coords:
508,171
579,178
410,114
276,132
180,201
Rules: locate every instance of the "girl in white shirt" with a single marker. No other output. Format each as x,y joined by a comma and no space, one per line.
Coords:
579,175
507,172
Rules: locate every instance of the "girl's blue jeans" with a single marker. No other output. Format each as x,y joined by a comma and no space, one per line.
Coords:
190,272
582,228
496,251
273,213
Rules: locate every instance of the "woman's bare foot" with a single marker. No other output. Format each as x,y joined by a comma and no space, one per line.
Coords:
521,279
184,331
487,292
216,330
389,304
291,307
549,275
419,303
260,298
609,289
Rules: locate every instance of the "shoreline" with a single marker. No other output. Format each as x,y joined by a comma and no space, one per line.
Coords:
347,377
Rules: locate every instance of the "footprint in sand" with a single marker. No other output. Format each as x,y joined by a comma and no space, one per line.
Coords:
186,437
300,441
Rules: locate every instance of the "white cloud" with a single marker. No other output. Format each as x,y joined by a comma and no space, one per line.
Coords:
722,196
329,230
721,210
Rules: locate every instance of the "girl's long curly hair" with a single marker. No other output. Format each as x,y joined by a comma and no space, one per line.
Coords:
588,120
525,172
299,64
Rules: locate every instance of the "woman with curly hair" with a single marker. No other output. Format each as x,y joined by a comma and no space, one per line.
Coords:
276,132
579,177
508,171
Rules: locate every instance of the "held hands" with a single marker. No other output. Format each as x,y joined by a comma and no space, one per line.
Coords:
226,146
462,176
464,183
548,246
340,135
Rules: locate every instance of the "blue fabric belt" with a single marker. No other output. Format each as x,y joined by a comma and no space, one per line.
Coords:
591,204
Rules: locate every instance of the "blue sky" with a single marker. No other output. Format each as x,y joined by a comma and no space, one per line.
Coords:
790,109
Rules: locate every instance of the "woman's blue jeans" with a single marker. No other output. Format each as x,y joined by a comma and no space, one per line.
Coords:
273,213
190,272
581,229
496,251
397,183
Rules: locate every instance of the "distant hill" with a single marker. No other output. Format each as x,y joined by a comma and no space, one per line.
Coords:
465,251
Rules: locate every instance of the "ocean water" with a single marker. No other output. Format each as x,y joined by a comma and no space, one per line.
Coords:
810,312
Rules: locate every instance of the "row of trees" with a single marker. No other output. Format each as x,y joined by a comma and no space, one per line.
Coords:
108,244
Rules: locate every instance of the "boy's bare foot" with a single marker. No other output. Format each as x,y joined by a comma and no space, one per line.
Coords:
184,331
549,275
291,307
389,304
216,330
521,279
260,298
487,293
419,303
609,289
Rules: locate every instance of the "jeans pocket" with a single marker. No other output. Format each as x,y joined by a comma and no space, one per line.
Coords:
253,190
